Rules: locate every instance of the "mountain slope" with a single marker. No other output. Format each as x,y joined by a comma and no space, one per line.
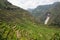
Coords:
18,24
40,13
11,13
55,11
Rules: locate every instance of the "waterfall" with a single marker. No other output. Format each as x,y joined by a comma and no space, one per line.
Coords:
47,19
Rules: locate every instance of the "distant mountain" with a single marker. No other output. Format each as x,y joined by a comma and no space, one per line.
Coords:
30,10
40,13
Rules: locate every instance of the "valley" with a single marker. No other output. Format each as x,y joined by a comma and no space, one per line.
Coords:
19,24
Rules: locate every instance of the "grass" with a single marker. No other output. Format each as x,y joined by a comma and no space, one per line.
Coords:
28,31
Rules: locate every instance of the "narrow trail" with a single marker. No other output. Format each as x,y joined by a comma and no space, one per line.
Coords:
18,34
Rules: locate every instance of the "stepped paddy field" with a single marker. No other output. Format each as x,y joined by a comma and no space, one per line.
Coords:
28,31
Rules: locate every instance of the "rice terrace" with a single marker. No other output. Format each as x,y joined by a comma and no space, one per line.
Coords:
40,23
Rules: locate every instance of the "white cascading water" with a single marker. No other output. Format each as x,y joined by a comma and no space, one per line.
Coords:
47,19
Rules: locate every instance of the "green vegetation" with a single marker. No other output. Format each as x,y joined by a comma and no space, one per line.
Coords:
41,12
28,31
19,24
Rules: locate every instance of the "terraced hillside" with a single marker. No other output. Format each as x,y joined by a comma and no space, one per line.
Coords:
19,24
28,31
